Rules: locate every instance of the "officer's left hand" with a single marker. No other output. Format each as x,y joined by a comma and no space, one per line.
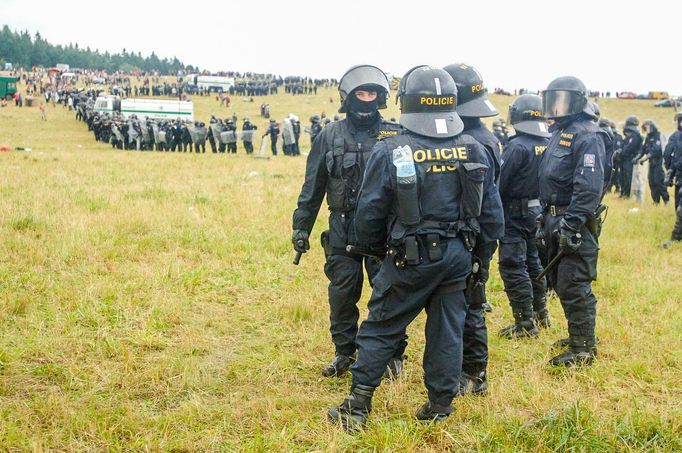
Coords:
635,161
569,238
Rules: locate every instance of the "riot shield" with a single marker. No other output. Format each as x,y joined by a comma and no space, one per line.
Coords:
117,133
162,136
156,131
246,136
288,132
639,181
201,135
228,137
192,133
145,132
216,129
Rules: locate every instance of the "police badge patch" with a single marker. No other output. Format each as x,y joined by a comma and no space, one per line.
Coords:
588,160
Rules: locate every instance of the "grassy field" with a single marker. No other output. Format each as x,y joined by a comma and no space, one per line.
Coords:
148,303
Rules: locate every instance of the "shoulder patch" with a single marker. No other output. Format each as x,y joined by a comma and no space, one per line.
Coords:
589,160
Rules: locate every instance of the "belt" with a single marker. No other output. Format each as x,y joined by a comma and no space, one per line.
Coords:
556,210
534,203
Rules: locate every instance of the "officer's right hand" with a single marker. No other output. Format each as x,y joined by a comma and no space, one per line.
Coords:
300,240
569,238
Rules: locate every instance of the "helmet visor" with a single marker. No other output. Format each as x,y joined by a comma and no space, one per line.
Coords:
560,103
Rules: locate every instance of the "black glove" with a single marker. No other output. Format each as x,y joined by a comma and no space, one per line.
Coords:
300,240
569,238
540,231
669,177
635,161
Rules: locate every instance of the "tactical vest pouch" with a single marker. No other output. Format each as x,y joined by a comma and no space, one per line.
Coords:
433,247
336,194
411,251
326,246
519,208
471,179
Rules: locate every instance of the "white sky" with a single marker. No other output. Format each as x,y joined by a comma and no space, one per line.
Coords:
613,45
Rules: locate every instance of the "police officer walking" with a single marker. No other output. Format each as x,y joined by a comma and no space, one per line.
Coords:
571,186
424,195
519,189
616,177
631,147
652,150
472,105
335,167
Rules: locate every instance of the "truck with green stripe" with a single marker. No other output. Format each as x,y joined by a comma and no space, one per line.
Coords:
146,108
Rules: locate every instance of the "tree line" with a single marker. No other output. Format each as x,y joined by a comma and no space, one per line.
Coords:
25,51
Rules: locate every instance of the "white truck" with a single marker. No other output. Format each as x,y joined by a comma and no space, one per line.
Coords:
149,108
158,110
211,83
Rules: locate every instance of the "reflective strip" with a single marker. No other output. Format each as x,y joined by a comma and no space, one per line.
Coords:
534,203
441,126
438,91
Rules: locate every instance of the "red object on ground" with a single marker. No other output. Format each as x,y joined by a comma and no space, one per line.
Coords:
4,148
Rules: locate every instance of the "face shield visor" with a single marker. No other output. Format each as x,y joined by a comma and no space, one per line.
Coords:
562,103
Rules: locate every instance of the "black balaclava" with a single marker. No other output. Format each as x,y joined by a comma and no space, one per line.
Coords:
362,114
679,124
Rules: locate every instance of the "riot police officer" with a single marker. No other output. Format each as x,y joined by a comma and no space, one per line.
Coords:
473,104
652,150
519,261
673,164
273,132
231,127
423,195
315,128
211,138
631,147
335,166
571,186
616,177
247,137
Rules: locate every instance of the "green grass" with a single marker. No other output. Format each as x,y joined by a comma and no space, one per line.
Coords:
148,302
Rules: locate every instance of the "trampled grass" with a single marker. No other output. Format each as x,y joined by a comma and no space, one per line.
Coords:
148,302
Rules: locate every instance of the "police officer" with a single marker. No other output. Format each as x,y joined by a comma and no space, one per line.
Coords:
335,166
296,126
499,132
422,195
248,126
473,104
672,158
273,132
315,128
616,176
519,261
631,148
652,150
231,127
571,185
609,146
211,138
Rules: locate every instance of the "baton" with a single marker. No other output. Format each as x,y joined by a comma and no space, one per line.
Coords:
552,264
297,258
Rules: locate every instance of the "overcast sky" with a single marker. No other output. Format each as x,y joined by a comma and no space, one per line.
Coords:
612,45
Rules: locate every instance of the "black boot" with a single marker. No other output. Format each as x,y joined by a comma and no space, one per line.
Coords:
475,383
435,413
582,351
523,327
487,307
394,368
338,366
542,318
353,411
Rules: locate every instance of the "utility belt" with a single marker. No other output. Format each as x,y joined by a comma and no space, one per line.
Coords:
519,207
405,249
594,222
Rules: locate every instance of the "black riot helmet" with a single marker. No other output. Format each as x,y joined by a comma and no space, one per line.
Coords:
367,76
525,114
631,124
315,119
649,126
428,103
472,100
564,97
401,87
604,123
596,111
